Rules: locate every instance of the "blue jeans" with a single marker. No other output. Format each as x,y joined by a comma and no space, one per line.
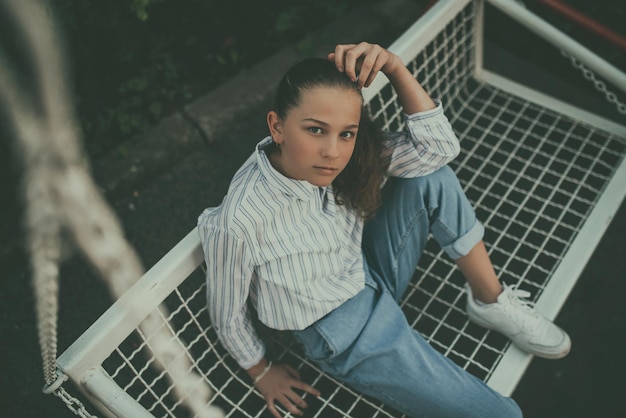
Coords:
367,342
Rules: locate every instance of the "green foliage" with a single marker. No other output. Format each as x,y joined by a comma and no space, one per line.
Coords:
140,7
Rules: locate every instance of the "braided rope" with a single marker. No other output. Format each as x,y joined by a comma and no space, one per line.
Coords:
61,197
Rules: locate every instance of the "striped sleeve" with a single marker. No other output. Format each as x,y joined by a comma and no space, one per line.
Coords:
426,144
229,272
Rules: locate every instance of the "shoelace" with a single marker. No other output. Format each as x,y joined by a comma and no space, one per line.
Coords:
518,298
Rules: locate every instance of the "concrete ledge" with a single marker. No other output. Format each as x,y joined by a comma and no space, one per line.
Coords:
379,24
164,144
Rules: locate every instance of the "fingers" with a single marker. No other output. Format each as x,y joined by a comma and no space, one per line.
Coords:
286,403
279,385
292,371
299,384
291,401
369,70
272,409
310,389
294,403
360,62
338,55
350,56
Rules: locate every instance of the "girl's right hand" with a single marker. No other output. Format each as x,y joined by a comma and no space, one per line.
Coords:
361,62
365,61
278,384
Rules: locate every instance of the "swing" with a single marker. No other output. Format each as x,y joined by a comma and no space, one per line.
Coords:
545,177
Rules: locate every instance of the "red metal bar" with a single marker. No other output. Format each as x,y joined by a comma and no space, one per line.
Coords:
586,22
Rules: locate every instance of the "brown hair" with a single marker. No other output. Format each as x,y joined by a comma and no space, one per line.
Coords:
358,185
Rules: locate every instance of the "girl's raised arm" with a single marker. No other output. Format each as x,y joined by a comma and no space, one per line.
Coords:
363,61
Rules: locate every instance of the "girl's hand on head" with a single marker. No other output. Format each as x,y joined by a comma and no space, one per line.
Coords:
278,384
362,62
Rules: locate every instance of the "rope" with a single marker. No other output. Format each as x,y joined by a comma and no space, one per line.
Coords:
41,217
45,247
61,196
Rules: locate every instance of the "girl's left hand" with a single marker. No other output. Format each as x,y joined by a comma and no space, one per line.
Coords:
362,62
279,384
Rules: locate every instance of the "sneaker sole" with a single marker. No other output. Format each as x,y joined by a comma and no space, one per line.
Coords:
544,355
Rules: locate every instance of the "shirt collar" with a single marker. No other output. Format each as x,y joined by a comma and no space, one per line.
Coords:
301,189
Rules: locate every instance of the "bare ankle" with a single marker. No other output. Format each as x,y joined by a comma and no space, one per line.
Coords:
487,295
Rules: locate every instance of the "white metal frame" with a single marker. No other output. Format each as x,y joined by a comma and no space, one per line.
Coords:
82,361
514,363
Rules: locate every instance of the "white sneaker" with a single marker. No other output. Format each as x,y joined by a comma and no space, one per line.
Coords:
516,319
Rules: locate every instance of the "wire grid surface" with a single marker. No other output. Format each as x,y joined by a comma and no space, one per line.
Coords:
534,176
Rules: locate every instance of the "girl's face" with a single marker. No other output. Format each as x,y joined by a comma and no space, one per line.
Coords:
317,137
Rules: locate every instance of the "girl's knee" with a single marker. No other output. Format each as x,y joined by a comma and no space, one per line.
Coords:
445,177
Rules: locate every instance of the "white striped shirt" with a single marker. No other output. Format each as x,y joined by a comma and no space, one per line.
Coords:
287,247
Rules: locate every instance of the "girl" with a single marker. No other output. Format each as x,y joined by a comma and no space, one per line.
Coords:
321,231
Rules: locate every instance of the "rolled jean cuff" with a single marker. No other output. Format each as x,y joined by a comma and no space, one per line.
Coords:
463,245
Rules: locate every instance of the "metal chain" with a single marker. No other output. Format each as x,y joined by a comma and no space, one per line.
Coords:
590,76
56,388
73,404
598,84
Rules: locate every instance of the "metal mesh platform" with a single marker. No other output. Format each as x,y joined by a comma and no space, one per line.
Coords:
535,176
